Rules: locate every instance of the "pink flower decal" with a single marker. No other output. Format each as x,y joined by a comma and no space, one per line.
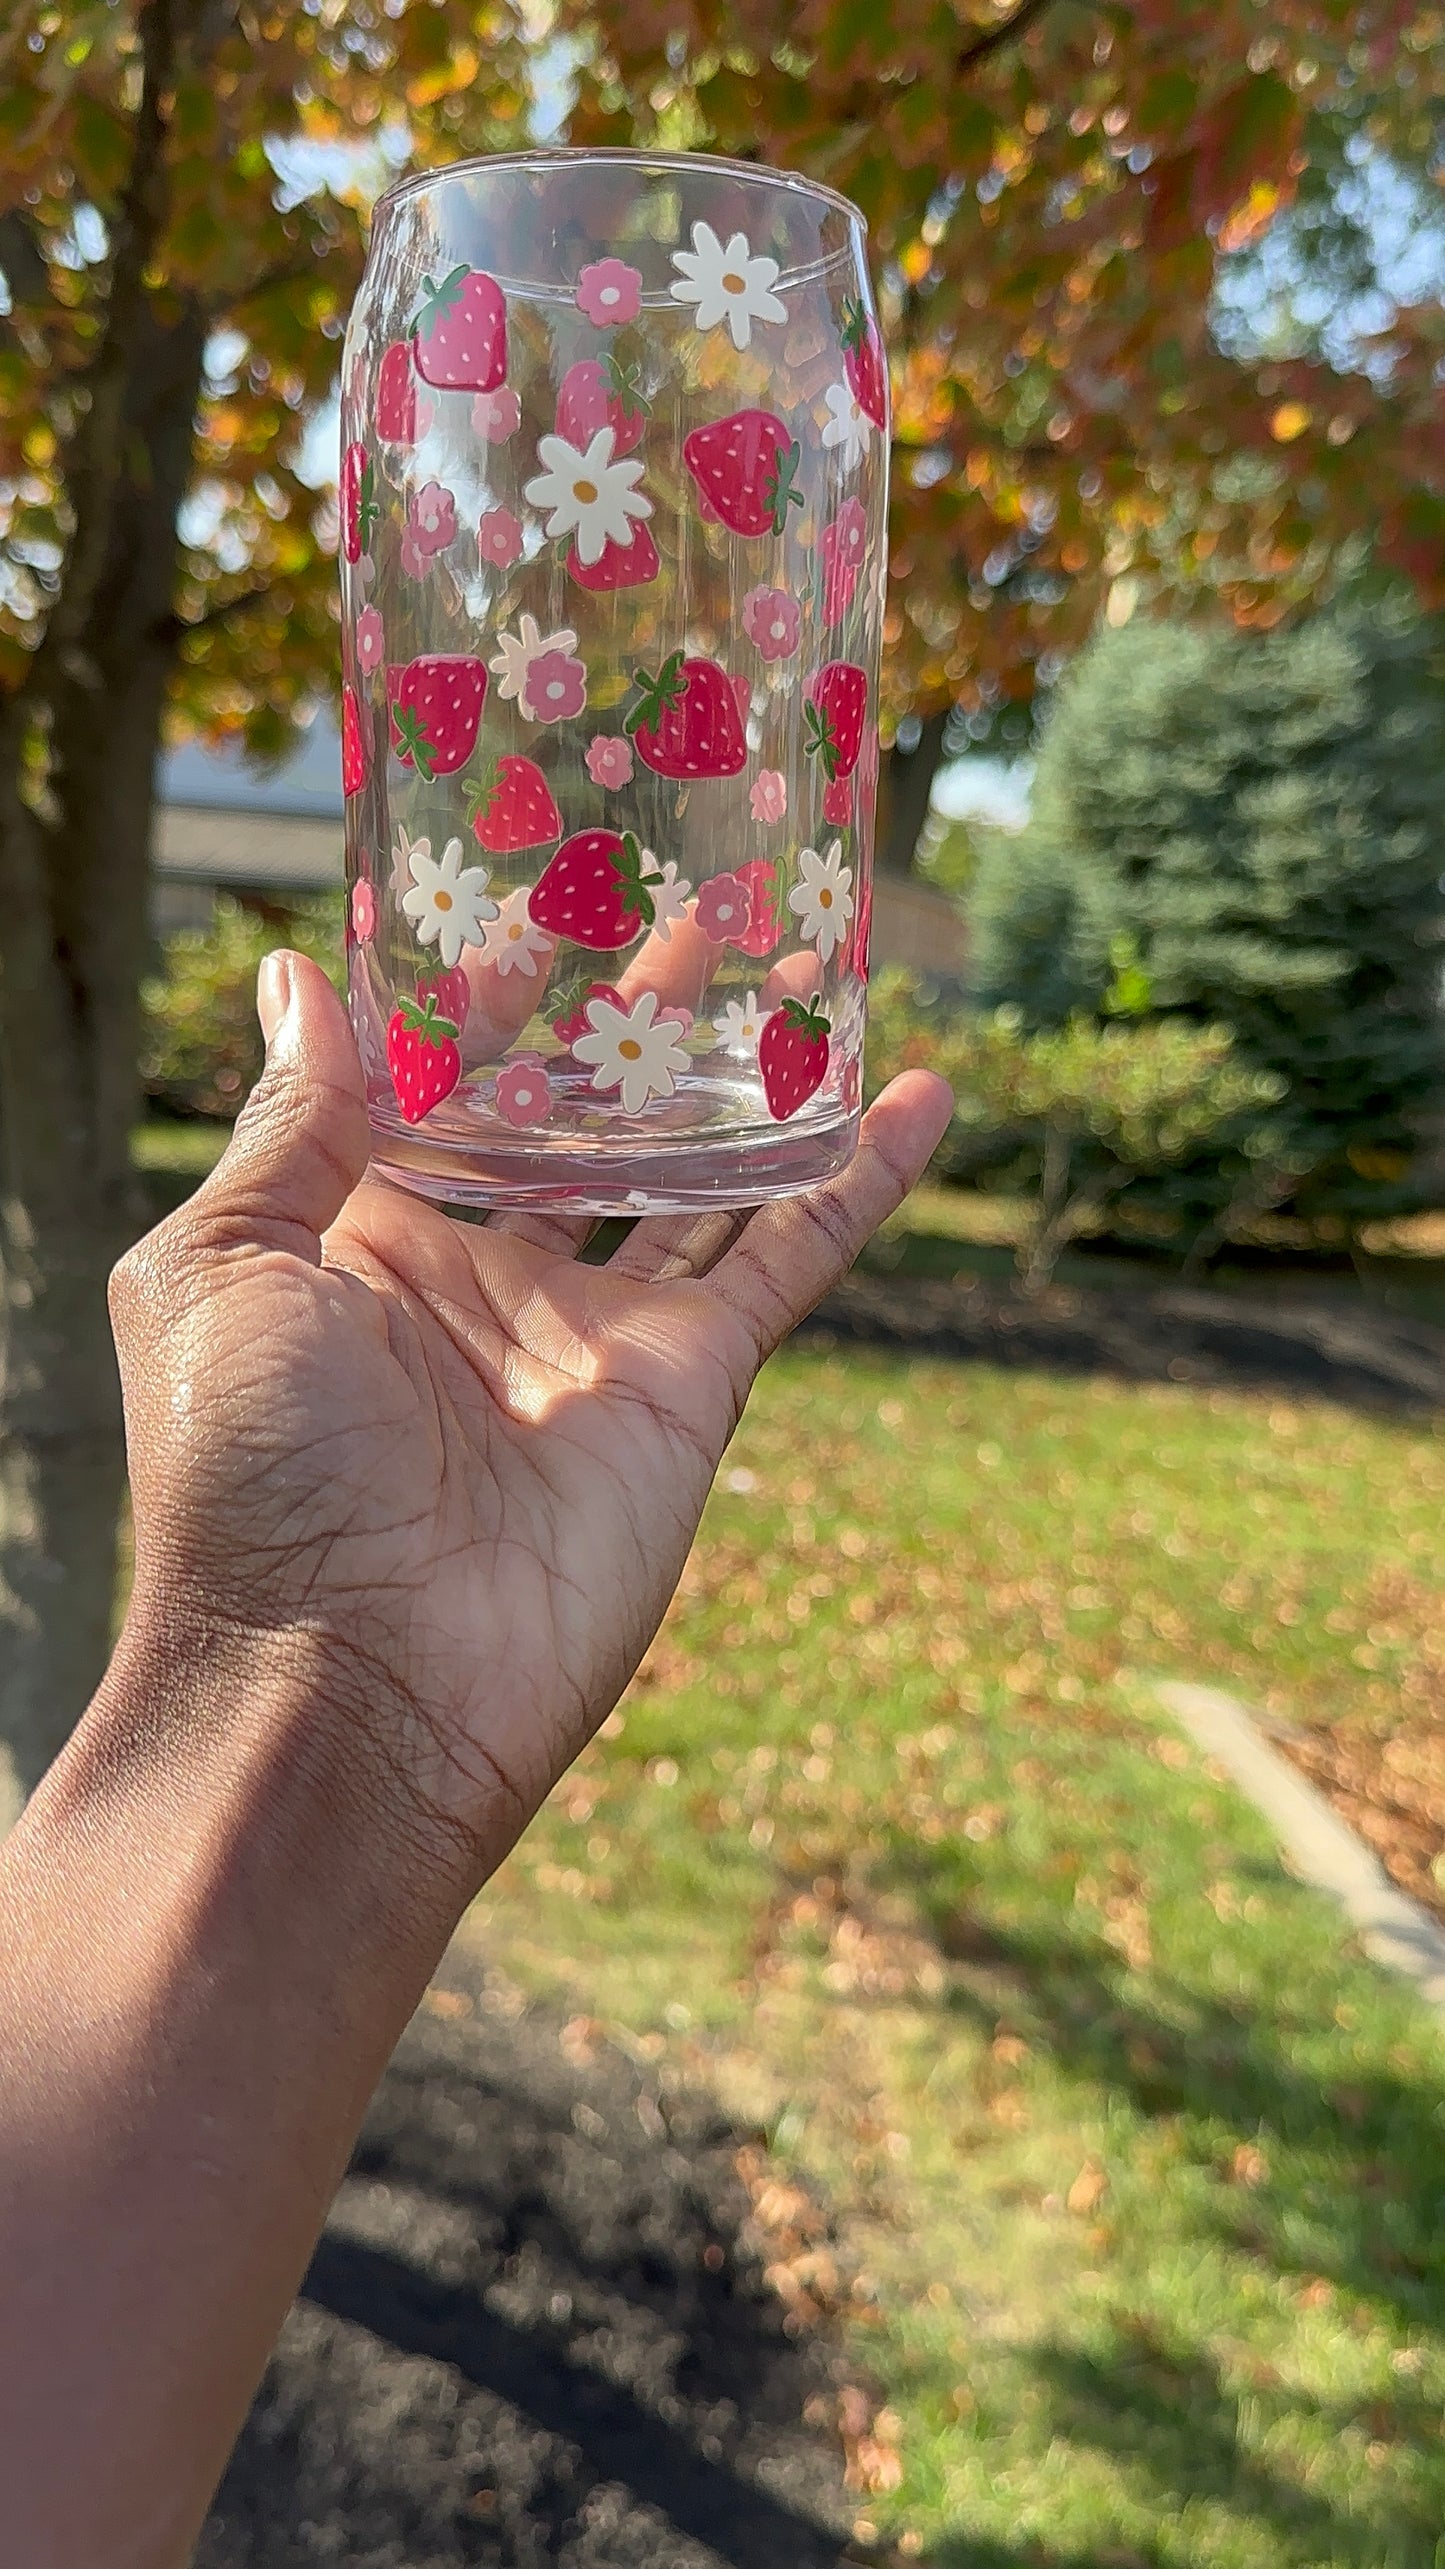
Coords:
682,1018
524,1092
772,619
844,541
363,912
769,796
724,909
496,416
431,525
609,760
370,639
609,291
556,687
499,537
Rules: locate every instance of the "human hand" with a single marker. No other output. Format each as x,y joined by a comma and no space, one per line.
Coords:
443,1471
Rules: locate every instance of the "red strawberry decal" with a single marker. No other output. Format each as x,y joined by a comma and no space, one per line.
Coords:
436,705
686,722
833,717
511,806
396,396
765,920
573,1019
595,890
459,334
599,393
746,468
353,744
863,363
793,1055
359,511
422,1055
838,801
618,566
452,992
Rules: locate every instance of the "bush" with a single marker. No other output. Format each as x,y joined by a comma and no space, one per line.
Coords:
1089,1108
1261,817
200,1042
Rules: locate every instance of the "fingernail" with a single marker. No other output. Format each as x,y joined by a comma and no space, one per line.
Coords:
275,991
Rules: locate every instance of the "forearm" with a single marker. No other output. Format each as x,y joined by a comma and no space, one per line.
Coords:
214,1920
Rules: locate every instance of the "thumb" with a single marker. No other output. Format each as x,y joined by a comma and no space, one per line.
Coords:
301,1140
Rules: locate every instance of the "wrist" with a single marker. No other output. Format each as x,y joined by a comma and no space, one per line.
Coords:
274,1757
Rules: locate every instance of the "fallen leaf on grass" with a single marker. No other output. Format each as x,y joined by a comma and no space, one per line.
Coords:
1088,2189
1249,2166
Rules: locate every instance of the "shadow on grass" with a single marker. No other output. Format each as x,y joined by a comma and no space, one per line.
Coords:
1347,2207
530,2335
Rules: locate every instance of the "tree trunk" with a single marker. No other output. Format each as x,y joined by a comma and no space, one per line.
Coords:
74,859
905,787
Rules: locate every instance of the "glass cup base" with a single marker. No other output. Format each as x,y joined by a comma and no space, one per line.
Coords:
689,1174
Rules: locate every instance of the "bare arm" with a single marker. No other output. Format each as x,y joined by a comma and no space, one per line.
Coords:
408,1510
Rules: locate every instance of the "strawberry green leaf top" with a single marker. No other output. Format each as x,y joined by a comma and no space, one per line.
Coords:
438,300
412,740
657,696
807,1016
422,1017
854,331
818,740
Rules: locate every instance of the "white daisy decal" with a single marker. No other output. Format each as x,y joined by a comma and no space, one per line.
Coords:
514,942
848,425
823,900
589,496
516,652
448,904
401,859
740,1026
669,896
627,1049
726,284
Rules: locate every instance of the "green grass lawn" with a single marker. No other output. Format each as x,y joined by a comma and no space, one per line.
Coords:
1139,2173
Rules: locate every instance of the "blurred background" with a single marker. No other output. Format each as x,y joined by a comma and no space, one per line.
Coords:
897,2071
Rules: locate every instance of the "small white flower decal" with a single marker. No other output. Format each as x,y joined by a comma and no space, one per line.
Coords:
589,496
627,1049
823,900
741,1025
448,904
669,897
848,426
726,284
514,942
402,854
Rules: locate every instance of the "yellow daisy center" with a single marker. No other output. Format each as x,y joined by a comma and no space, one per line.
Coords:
825,899
586,492
733,283
630,1048
442,900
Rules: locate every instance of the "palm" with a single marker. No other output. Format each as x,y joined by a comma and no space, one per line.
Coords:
465,1464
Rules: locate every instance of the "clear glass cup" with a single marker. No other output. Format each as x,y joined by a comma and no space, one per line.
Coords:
613,502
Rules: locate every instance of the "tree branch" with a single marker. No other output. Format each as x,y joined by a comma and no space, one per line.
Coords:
994,40
177,628
91,463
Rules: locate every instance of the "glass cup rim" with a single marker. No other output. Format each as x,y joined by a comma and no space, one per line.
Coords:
559,155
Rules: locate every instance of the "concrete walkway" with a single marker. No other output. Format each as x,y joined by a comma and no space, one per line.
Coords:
1393,1928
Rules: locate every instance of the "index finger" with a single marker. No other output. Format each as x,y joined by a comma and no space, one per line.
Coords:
794,1251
